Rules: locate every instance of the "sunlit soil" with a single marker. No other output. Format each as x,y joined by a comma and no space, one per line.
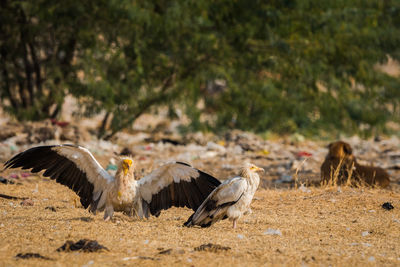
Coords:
311,226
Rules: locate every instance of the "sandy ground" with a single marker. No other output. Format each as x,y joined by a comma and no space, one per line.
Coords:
289,225
317,227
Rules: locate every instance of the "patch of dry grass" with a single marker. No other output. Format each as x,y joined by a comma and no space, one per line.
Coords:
327,226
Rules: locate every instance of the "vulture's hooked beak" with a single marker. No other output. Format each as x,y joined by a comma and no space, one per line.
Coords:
257,169
126,164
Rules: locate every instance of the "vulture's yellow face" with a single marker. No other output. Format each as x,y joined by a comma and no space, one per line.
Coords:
126,165
254,168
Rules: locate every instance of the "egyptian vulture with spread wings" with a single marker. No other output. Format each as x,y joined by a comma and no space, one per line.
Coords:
174,184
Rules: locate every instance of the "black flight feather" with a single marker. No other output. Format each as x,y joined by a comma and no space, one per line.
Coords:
184,194
57,167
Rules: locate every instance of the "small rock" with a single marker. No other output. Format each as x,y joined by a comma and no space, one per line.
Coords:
165,252
86,219
27,202
240,236
270,231
89,263
31,255
130,258
180,251
84,245
51,208
387,206
211,247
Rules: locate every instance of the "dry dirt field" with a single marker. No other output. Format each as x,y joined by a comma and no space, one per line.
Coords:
329,226
289,225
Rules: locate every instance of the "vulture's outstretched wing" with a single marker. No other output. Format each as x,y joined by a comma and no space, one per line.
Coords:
174,184
70,165
215,206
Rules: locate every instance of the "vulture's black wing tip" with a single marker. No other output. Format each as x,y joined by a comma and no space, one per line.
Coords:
188,223
206,225
183,163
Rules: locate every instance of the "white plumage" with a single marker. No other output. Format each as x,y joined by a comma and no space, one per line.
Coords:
231,199
174,184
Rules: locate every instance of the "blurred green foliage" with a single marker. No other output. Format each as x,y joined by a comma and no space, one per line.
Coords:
285,66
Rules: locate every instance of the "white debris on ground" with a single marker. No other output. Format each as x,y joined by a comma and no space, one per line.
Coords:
270,231
365,233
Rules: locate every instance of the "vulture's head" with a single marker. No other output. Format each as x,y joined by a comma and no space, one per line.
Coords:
126,166
249,169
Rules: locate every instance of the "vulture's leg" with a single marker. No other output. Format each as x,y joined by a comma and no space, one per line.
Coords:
108,213
234,223
132,212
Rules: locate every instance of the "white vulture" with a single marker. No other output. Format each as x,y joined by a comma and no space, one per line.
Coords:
231,199
174,184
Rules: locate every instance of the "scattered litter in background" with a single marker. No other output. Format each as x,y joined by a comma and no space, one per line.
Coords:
303,154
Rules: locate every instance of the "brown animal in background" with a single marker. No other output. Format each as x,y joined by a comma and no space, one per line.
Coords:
340,166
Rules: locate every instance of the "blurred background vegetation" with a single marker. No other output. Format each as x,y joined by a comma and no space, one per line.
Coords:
283,66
